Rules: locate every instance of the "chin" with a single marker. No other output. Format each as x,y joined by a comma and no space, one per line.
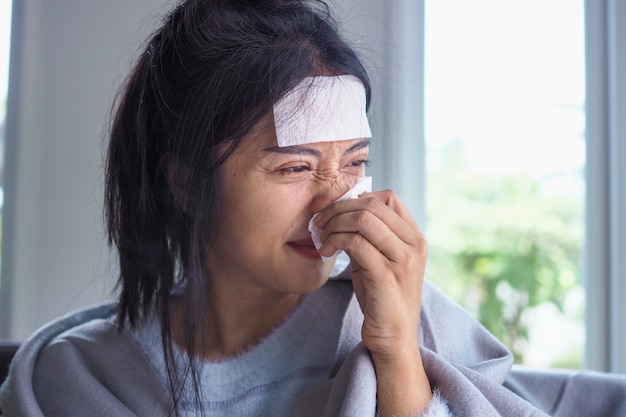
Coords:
314,280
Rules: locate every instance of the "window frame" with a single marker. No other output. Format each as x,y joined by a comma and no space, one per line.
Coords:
604,270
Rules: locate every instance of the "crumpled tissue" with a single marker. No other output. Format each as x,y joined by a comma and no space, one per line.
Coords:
363,185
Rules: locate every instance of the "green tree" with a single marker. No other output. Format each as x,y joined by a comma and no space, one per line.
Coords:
500,244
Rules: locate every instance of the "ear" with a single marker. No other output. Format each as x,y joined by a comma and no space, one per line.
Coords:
175,174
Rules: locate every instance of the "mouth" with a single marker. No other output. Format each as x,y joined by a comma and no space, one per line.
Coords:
305,248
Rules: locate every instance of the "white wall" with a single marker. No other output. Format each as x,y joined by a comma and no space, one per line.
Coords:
68,59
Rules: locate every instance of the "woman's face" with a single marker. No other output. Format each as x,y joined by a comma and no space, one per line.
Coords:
269,195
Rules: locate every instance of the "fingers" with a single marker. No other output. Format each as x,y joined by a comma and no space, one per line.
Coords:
381,203
376,222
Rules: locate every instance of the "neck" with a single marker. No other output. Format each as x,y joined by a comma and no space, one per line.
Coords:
237,319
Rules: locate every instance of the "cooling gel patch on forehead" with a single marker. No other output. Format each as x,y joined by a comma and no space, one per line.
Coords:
322,109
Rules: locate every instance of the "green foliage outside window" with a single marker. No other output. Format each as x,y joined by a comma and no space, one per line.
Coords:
502,244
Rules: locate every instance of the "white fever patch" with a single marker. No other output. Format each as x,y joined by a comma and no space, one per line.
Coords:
322,109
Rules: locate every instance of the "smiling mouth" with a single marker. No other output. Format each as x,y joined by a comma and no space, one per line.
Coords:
306,248
303,242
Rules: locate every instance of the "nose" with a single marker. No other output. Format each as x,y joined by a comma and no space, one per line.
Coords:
328,191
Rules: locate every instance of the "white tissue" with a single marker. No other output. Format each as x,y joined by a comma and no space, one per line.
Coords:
363,185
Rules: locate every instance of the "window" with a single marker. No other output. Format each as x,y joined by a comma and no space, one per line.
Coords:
504,130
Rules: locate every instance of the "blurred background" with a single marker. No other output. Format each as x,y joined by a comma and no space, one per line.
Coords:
497,121
505,135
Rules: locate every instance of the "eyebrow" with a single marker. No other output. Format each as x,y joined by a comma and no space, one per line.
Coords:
303,150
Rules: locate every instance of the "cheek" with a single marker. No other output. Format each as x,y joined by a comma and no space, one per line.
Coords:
289,214
268,209
283,205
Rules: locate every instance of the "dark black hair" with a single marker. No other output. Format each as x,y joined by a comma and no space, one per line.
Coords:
209,74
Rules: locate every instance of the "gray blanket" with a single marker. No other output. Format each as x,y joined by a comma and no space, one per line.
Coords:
465,363
563,393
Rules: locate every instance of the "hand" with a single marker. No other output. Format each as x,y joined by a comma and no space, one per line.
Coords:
388,257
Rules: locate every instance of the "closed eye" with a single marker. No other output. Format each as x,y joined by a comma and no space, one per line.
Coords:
360,163
295,169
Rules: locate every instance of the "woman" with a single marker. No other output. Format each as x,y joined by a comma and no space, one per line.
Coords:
241,125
